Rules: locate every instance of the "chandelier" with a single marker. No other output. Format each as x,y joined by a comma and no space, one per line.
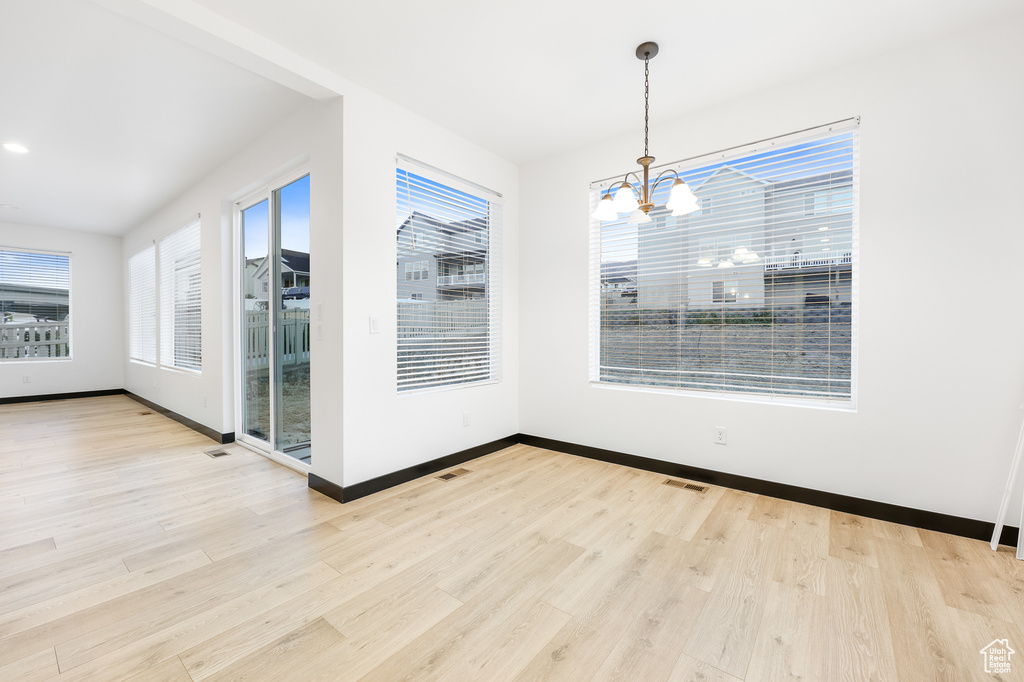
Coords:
633,195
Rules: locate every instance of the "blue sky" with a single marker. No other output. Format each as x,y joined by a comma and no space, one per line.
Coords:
294,221
34,269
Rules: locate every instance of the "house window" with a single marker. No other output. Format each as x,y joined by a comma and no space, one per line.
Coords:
754,299
35,305
178,255
725,292
142,306
446,326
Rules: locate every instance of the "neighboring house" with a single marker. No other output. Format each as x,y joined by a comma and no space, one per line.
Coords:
618,281
294,274
23,302
753,242
440,261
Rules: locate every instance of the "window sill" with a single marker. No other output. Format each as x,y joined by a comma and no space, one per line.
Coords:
834,406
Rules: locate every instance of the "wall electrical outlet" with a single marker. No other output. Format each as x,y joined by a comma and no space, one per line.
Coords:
374,326
26,379
465,418
721,435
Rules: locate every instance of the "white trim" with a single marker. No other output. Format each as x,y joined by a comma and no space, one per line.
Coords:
246,199
282,459
444,177
759,398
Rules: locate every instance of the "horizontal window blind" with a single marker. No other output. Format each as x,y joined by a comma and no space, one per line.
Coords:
142,305
752,294
447,280
35,305
180,309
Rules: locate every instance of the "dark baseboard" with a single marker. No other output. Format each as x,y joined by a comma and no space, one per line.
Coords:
181,419
375,485
325,487
61,396
943,523
908,516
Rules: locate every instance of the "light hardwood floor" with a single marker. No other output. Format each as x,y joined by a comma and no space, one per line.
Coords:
125,552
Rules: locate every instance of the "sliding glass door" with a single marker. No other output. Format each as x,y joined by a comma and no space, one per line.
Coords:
275,332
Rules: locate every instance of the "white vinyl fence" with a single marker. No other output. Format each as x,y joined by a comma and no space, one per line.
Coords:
34,340
426,317
293,337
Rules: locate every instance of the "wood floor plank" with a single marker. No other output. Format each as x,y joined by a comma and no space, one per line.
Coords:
805,550
791,638
858,643
35,667
66,605
144,652
127,553
852,538
689,669
510,646
296,656
921,630
715,540
725,632
964,579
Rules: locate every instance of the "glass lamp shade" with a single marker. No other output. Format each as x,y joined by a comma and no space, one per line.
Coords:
625,200
639,217
604,210
684,209
681,200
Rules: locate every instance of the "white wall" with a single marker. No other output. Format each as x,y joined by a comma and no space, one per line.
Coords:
941,365
97,347
302,139
382,431
361,427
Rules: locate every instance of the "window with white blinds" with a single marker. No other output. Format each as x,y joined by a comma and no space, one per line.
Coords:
447,280
142,306
180,313
754,294
35,305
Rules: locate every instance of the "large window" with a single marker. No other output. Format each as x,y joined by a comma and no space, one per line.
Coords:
447,236
755,297
164,285
180,311
35,303
142,306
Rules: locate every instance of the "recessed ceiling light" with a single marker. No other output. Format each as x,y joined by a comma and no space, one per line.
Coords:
15,147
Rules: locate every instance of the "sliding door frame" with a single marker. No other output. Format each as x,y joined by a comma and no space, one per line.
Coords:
265,193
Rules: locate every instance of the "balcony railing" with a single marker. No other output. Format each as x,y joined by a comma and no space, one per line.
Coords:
807,260
461,280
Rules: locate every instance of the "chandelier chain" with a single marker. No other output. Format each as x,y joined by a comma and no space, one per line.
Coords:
647,98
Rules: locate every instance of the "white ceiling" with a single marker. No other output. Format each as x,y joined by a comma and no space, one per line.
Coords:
121,117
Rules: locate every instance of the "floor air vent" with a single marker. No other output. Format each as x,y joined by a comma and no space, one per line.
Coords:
453,474
687,486
217,453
